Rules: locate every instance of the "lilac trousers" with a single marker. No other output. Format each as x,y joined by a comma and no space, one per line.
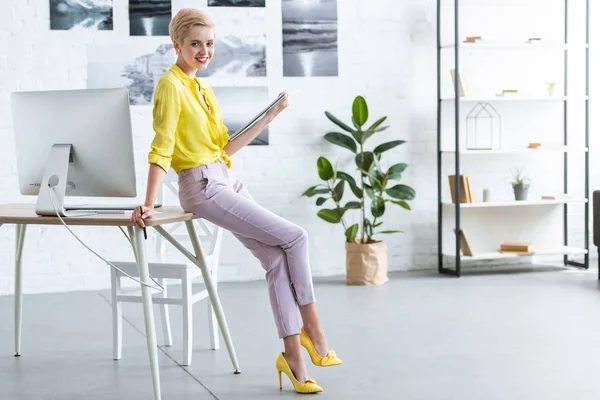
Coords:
209,192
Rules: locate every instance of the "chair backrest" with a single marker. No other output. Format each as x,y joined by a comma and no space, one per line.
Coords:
209,234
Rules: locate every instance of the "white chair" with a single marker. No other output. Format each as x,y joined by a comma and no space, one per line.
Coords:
210,236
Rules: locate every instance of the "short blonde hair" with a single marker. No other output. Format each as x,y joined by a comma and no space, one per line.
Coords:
184,20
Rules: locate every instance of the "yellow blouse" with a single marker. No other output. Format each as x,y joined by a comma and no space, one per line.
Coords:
187,134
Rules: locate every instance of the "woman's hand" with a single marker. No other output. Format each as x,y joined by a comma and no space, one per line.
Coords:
282,105
140,214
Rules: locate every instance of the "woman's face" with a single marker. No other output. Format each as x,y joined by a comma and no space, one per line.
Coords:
198,47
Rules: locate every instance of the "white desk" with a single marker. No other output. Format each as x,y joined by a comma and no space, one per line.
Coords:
24,214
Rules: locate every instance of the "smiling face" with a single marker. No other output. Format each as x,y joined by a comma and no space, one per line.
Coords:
197,49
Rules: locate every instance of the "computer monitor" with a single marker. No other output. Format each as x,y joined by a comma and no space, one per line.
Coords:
78,142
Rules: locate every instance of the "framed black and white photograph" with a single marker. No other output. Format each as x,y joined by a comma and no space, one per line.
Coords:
240,47
95,15
239,104
310,38
137,67
149,17
236,3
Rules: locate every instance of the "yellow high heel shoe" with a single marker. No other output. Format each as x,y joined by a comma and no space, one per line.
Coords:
310,386
329,360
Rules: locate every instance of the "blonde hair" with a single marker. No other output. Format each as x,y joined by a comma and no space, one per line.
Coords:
184,20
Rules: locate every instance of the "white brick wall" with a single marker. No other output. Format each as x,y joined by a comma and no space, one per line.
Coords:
387,54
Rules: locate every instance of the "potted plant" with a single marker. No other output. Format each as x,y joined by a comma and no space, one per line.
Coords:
375,189
520,185
551,86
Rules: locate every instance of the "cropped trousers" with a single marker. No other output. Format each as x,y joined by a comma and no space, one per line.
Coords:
211,193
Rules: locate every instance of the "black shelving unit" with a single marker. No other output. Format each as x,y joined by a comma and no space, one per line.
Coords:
457,271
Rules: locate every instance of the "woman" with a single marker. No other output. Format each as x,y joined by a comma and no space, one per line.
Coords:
190,138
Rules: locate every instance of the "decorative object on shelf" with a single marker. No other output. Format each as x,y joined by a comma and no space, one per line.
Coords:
472,39
551,86
466,193
545,145
486,195
516,247
508,92
463,88
465,247
366,257
520,185
561,196
483,127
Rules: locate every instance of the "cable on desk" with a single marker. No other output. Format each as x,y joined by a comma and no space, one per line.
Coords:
159,288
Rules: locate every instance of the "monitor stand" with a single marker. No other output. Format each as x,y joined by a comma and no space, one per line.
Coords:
54,183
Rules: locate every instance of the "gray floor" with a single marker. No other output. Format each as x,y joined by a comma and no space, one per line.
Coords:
527,334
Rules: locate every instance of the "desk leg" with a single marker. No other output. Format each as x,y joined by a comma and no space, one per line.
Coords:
20,239
212,293
138,240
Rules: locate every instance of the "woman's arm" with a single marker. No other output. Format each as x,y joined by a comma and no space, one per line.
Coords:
245,138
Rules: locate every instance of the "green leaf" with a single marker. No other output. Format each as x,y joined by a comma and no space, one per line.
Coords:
368,228
402,204
332,216
342,140
351,233
388,232
338,191
376,124
396,170
338,122
359,136
364,161
376,180
377,224
348,178
387,146
401,192
325,169
321,200
310,192
360,111
352,205
377,207
355,123
370,191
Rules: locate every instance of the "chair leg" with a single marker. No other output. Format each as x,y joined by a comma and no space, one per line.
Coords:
213,325
117,314
186,297
164,316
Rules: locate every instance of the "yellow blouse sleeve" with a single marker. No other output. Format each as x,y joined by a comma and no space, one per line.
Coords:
165,114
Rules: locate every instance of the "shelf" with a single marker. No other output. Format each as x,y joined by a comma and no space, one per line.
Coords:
514,203
556,149
509,98
498,255
482,45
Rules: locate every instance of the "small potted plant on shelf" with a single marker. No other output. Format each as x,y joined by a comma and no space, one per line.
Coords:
520,185
375,190
551,86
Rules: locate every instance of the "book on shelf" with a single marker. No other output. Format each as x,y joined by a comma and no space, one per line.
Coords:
466,193
515,247
465,246
558,196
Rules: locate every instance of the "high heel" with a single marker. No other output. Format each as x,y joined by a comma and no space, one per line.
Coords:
329,360
310,386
